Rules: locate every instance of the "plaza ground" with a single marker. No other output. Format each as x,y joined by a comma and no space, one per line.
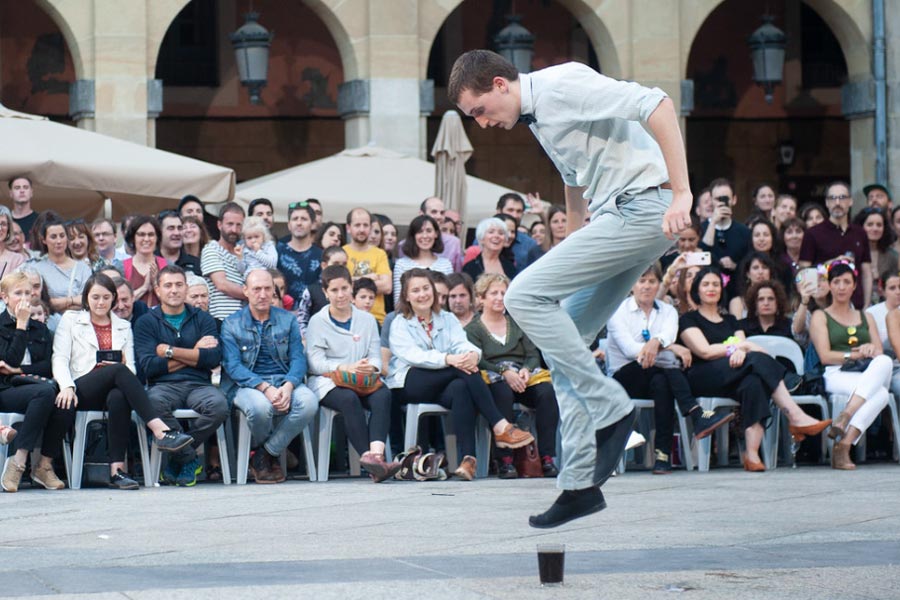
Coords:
805,533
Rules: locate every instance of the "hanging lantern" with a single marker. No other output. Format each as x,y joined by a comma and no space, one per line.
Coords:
515,44
767,53
251,52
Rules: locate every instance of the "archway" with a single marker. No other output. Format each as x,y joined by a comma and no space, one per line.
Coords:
37,66
732,132
514,159
207,113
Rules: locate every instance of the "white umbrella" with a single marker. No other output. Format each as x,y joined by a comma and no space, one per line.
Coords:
378,179
451,150
74,170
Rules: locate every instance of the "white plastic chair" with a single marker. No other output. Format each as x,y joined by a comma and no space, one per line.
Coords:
782,347
769,445
186,413
414,411
82,418
243,452
326,425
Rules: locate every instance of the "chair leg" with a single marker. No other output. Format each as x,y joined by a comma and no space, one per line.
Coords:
143,444
81,423
685,437
482,446
243,450
895,423
412,426
326,421
224,461
308,450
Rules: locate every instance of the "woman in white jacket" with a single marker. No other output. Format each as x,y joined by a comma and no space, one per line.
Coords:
434,361
342,338
89,382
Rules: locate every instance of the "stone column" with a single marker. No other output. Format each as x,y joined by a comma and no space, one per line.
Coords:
892,59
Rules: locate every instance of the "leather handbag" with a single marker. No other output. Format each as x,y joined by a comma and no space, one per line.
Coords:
856,366
28,379
528,461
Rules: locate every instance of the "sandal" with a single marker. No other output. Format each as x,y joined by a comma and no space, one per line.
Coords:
407,462
214,473
428,466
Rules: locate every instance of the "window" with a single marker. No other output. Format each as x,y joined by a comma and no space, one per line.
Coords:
189,56
823,63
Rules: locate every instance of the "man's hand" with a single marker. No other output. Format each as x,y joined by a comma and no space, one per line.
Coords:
721,213
207,341
678,217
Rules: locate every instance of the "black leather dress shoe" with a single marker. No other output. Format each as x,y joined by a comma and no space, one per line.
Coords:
571,504
611,442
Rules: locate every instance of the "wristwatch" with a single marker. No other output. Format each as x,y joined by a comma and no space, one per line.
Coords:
170,352
847,355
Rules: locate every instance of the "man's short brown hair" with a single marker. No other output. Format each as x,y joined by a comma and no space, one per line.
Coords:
475,71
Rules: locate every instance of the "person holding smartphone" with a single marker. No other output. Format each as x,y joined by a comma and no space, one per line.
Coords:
727,240
93,363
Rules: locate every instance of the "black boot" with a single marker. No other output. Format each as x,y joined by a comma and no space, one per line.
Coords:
570,505
611,442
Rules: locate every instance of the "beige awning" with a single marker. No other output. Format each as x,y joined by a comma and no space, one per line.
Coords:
74,170
381,180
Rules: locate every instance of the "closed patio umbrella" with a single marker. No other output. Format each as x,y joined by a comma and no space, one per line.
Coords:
451,150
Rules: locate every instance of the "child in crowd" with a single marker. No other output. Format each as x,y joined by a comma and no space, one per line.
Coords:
364,291
285,300
40,310
257,247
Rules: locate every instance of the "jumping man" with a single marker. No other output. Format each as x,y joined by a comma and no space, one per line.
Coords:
618,148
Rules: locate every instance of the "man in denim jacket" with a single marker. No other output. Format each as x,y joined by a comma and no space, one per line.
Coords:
263,356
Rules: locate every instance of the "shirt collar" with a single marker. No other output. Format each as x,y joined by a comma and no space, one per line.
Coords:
527,97
633,305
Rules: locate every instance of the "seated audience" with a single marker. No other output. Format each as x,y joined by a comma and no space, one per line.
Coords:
126,307
874,222
812,214
763,197
492,237
93,363
141,269
556,230
262,208
330,234
25,346
767,308
756,267
171,243
343,350
64,277
725,364
433,361
103,232
785,209
364,291
177,347
643,356
194,236
420,250
461,297
791,236
263,356
842,334
512,366
886,320
197,293
9,259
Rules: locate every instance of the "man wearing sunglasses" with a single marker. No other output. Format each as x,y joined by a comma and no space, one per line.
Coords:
727,240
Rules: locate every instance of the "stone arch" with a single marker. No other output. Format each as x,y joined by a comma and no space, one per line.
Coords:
348,24
67,26
433,14
160,15
852,30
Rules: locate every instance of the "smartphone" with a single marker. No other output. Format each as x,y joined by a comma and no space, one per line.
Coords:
807,277
113,356
697,259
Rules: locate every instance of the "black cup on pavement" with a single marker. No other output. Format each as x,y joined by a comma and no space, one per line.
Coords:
551,563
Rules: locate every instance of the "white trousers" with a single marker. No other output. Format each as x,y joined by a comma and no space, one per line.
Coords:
872,385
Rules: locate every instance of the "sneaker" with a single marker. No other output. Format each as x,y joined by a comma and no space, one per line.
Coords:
662,465
172,441
571,504
467,468
45,476
635,439
260,467
7,434
513,437
12,475
707,421
507,469
549,466
187,476
169,475
121,481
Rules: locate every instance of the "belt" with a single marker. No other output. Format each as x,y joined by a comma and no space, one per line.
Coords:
666,186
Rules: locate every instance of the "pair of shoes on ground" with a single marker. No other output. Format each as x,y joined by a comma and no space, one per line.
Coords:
181,473
41,474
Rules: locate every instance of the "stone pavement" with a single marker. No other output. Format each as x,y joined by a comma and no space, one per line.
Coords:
805,533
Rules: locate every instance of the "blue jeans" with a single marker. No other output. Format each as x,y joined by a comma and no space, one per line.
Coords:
563,300
275,431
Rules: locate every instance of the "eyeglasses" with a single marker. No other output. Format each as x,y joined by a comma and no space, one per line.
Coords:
841,197
301,204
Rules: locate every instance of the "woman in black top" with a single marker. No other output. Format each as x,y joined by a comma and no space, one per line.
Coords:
726,364
766,308
25,347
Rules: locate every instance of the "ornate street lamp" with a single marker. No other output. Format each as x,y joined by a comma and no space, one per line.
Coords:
251,52
767,53
515,44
